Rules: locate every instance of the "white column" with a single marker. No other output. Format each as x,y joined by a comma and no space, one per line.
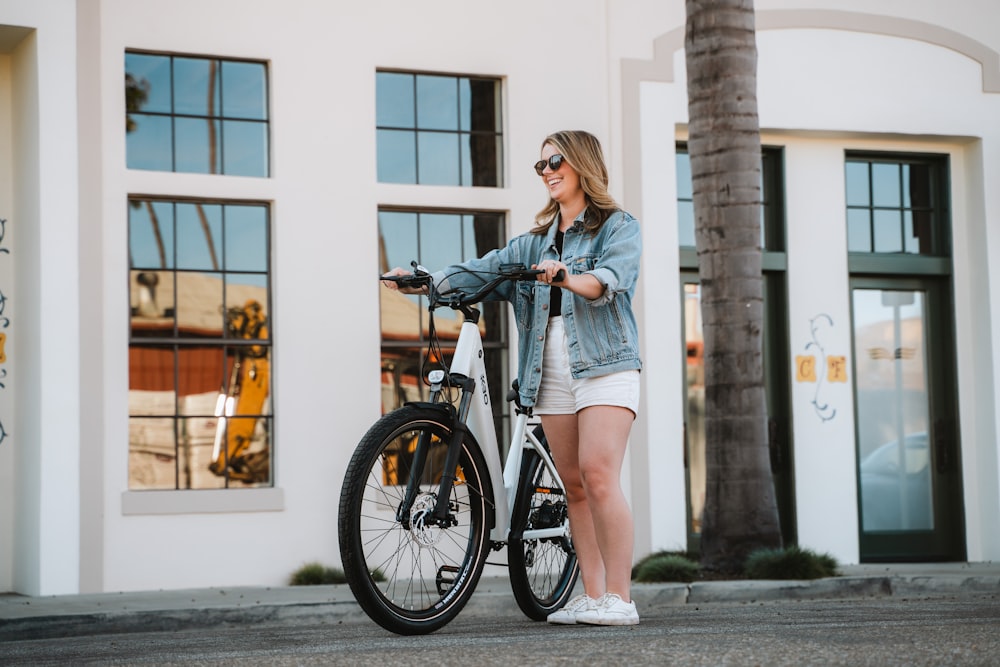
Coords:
46,304
819,298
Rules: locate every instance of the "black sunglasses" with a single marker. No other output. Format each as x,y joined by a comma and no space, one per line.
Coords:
554,163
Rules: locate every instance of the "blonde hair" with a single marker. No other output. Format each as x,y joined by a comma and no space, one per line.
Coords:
583,152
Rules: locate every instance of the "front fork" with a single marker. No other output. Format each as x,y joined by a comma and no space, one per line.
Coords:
441,515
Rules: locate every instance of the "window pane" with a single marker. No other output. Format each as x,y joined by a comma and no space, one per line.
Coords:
198,145
244,90
437,103
199,236
892,420
684,186
859,230
245,151
888,231
199,304
440,240
439,158
857,184
151,386
201,371
479,105
246,306
481,159
685,224
151,74
151,303
911,240
149,144
401,380
397,157
151,234
398,239
196,436
196,87
885,185
246,238
394,100
152,454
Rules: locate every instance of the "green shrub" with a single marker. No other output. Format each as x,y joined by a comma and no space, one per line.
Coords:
665,566
791,563
316,574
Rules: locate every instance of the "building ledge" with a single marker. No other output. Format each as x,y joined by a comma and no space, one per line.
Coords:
205,501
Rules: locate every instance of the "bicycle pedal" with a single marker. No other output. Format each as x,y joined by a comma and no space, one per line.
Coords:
444,583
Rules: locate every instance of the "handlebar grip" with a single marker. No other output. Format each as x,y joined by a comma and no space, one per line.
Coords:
560,276
409,280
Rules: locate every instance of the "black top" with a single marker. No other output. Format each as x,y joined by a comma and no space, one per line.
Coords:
555,294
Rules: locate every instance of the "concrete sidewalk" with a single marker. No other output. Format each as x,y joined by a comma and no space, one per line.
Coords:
24,617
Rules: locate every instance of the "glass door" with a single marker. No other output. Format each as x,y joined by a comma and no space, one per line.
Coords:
908,474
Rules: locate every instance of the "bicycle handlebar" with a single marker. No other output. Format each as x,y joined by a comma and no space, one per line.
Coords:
459,299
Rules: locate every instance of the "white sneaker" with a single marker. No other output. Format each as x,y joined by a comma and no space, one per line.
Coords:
567,615
610,610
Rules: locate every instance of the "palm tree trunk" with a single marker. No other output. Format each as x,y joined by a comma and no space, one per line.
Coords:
724,144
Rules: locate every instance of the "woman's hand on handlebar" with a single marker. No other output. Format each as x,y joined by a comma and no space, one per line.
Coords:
399,280
553,272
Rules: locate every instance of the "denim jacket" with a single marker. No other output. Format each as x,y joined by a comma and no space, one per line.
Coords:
602,335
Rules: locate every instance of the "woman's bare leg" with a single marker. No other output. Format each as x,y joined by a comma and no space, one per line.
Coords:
603,432
562,433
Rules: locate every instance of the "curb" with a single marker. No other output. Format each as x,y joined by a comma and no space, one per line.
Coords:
492,598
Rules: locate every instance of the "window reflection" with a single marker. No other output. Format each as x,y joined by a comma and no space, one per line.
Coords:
196,115
200,345
771,215
891,205
694,418
438,130
893,410
435,240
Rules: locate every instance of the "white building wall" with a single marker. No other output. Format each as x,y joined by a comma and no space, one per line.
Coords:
822,92
903,76
42,368
7,405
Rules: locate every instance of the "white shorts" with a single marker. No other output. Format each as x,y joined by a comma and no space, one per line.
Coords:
560,394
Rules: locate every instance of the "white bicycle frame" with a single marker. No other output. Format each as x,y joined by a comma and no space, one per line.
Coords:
468,361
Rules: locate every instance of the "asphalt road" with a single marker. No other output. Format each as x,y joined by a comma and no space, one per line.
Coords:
954,630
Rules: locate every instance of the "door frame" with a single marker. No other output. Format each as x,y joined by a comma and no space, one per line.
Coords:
946,541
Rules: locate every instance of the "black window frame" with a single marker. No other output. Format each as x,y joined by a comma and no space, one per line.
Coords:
938,261
232,346
219,117
493,136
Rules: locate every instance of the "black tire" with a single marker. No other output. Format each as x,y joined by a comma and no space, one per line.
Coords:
412,578
544,571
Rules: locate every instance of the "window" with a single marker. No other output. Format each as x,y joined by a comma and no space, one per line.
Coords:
776,373
771,211
199,345
895,204
438,130
196,115
436,239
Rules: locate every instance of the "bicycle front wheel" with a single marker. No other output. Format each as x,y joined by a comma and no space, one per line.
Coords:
411,573
543,571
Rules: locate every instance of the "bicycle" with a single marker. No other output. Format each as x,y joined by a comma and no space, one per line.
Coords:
425,498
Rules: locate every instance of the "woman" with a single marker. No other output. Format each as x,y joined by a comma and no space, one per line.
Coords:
578,357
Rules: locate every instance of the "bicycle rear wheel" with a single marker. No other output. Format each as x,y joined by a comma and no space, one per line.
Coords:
409,574
542,571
